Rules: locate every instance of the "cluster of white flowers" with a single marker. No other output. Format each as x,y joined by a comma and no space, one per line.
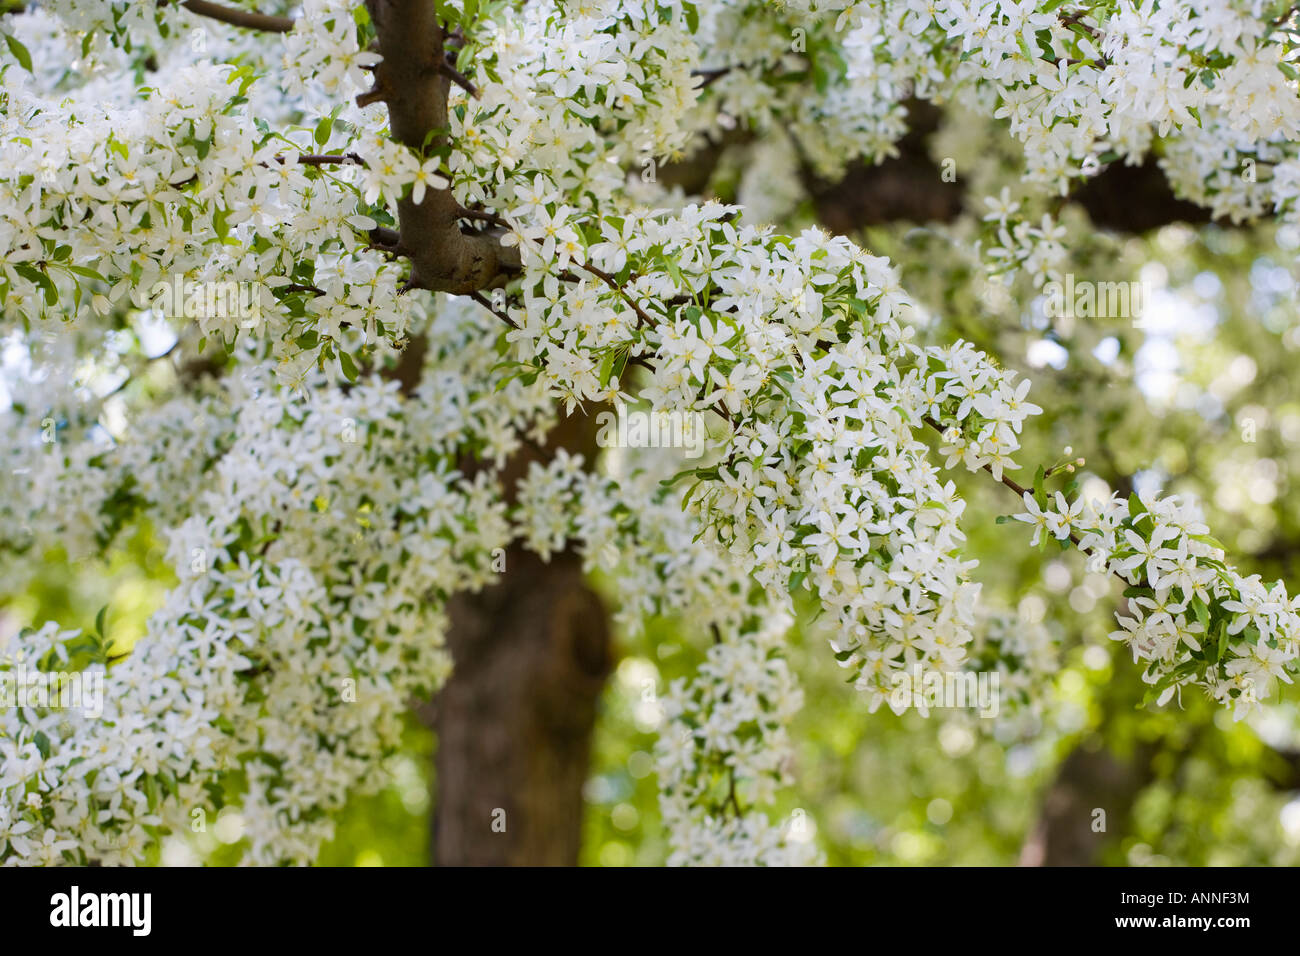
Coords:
275,672
324,53
1079,85
726,747
796,346
317,525
180,190
578,92
313,556
1025,655
1016,243
1195,619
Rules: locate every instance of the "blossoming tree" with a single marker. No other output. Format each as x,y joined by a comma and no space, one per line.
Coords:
396,255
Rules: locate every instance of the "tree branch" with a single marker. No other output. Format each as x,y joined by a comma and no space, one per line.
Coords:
457,77
412,83
609,280
482,300
309,159
239,18
1021,492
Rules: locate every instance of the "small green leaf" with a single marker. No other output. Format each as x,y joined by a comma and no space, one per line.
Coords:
323,129
692,17
349,367
20,53
35,275
86,272
1202,613
607,367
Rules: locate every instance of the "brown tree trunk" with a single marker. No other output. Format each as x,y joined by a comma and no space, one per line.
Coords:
514,722
1088,780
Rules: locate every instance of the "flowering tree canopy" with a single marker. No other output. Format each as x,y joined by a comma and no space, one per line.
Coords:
283,202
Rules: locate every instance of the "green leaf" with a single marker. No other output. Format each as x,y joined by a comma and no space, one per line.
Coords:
42,743
692,17
1040,494
1135,507
1202,613
607,367
323,129
673,272
20,53
99,620
349,367
86,272
41,279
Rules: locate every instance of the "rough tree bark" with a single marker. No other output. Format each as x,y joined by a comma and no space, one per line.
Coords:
515,721
413,80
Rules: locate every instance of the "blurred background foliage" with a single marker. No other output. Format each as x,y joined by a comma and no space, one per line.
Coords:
1198,395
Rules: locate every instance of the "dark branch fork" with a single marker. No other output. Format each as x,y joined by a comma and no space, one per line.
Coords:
413,80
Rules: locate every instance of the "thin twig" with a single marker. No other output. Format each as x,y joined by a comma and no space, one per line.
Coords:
482,216
1021,492
482,300
459,78
610,281
239,18
312,159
